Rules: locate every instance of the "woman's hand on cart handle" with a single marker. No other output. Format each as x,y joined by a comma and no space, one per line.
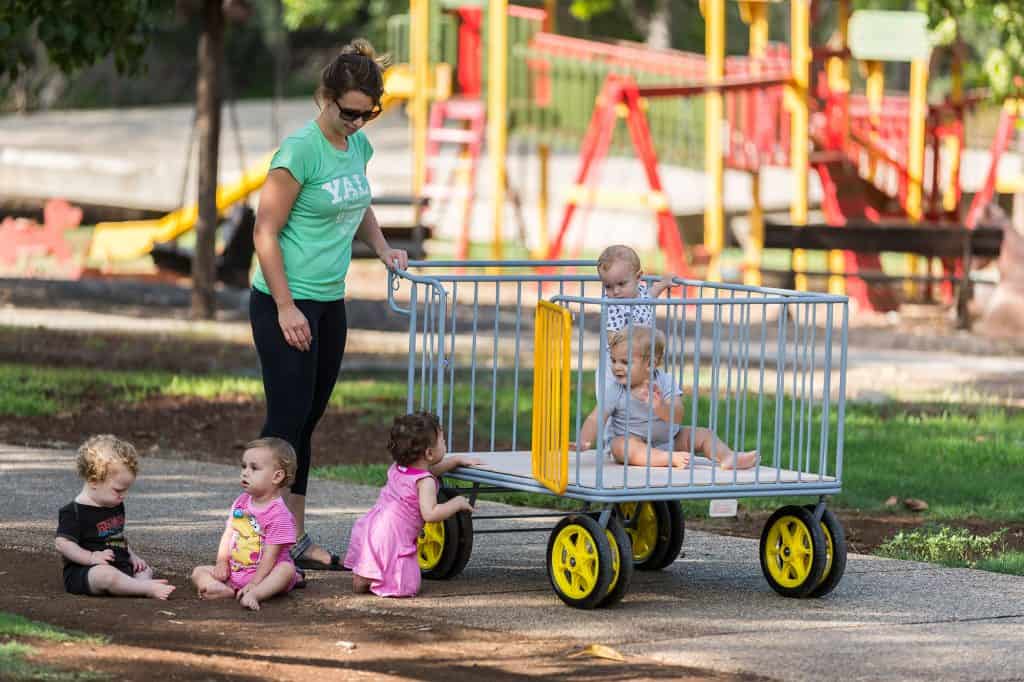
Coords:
394,259
294,326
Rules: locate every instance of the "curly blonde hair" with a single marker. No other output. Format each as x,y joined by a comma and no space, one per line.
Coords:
641,342
283,454
618,253
99,454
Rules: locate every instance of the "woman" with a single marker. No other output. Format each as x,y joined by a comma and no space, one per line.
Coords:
314,202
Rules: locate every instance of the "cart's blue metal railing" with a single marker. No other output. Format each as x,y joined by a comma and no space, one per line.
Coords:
723,341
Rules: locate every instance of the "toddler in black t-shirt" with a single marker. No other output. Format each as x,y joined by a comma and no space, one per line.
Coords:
90,529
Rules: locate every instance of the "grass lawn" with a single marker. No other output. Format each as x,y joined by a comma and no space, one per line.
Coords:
965,461
14,651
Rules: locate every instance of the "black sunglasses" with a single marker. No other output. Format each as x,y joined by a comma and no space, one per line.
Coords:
351,115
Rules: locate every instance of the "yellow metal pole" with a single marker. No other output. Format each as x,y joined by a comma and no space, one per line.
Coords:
419,55
550,24
875,91
497,89
543,240
800,54
952,143
544,153
915,153
714,209
756,13
838,69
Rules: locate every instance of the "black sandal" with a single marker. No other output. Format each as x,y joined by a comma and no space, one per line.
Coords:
300,547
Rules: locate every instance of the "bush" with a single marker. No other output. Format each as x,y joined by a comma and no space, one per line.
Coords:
943,545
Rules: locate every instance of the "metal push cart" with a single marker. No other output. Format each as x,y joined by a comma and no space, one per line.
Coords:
507,354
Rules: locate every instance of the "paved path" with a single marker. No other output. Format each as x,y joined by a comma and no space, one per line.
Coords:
711,608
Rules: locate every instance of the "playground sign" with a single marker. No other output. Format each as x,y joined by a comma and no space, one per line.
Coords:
878,35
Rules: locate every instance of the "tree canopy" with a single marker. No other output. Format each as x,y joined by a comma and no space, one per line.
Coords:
76,34
993,30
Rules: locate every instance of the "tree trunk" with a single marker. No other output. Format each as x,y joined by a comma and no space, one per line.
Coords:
208,101
659,34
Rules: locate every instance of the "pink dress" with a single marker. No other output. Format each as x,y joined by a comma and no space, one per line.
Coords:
383,544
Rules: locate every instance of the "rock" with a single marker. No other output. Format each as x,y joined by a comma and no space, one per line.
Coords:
914,504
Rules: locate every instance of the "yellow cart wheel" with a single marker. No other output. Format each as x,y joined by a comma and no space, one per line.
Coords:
792,552
580,562
443,547
835,553
656,530
622,566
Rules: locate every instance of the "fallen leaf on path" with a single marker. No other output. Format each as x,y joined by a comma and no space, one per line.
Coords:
914,504
598,651
166,613
176,622
891,501
346,645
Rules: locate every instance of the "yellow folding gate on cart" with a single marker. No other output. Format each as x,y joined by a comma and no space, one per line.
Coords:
550,442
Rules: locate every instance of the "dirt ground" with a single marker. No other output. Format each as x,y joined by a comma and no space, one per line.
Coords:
187,639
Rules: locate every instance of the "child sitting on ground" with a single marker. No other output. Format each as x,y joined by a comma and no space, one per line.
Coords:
253,562
634,394
90,529
382,549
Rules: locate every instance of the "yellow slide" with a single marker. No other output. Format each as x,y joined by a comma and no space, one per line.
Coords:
131,239
135,238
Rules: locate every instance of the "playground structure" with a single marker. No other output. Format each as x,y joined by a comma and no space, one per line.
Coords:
886,161
120,241
889,164
763,368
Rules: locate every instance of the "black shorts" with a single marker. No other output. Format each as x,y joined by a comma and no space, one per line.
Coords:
76,576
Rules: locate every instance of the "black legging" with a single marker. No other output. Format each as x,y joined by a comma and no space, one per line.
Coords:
298,383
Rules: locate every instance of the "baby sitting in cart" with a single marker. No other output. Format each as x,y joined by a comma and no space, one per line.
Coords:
643,410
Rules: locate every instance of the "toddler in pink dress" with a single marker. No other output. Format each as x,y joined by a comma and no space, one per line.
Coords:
382,549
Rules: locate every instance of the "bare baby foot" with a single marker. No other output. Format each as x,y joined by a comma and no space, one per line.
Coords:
741,460
159,589
215,590
249,601
680,458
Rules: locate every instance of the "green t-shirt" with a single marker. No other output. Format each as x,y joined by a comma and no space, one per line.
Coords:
316,242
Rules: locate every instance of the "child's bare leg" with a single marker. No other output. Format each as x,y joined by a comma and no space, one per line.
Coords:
209,587
638,454
276,582
706,442
109,580
360,585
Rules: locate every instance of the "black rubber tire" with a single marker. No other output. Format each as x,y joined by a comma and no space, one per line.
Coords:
442,570
464,547
623,548
833,570
603,555
673,543
652,561
805,523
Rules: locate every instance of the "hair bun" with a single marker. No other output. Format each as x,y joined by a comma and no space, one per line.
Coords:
362,47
